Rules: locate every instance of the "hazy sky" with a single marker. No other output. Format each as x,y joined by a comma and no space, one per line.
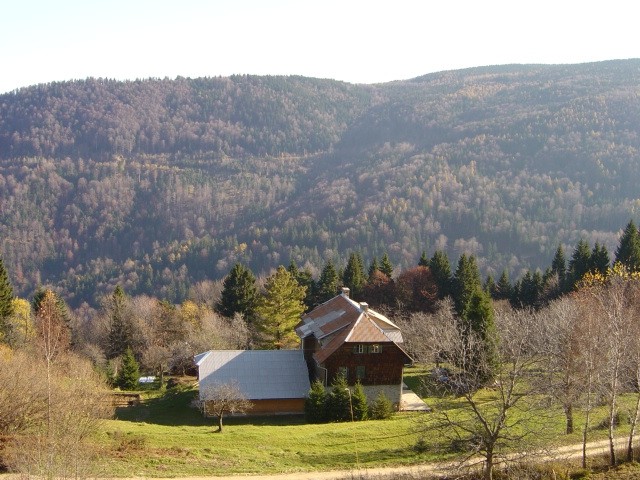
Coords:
356,41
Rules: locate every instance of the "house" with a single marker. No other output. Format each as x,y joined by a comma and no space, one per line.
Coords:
276,381
344,336
339,336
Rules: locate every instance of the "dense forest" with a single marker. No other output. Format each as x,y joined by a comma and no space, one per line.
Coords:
157,185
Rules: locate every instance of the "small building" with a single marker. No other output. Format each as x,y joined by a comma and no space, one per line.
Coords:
276,381
344,336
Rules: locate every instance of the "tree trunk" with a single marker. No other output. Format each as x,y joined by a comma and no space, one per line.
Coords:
632,432
488,467
219,423
568,413
584,437
612,418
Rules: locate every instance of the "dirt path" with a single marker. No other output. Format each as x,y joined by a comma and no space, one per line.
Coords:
569,452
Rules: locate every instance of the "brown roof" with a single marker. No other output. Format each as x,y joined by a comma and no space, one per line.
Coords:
340,320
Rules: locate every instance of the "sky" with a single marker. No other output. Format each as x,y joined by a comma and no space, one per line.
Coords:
355,41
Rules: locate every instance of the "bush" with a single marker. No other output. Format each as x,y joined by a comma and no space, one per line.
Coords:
314,405
382,407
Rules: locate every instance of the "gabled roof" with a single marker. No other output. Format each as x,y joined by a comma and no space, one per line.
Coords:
341,320
260,374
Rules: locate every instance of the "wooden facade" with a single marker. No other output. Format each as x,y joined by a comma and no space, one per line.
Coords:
371,363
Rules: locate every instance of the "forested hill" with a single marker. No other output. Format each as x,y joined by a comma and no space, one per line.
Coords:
159,184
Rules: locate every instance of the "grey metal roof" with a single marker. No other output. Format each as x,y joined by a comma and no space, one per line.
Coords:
260,374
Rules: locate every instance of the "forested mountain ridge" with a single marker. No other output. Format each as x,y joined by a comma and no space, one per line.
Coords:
158,184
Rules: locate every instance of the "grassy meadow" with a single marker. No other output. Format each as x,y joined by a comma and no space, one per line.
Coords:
165,437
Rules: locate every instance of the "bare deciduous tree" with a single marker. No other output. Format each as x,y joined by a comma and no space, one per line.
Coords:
220,399
490,428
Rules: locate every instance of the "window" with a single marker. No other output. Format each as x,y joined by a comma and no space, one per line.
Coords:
375,349
360,372
361,348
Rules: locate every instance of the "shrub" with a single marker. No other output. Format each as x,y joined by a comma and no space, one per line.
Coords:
382,407
314,405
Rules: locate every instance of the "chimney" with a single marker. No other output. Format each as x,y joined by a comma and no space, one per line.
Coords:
364,306
345,292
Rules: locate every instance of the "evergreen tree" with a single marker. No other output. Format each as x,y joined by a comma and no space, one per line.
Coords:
385,265
490,286
129,373
479,319
628,251
6,301
441,270
315,404
424,260
238,293
374,267
338,400
278,310
466,282
504,289
600,261
359,405
304,279
559,266
120,333
327,283
580,262
382,407
354,276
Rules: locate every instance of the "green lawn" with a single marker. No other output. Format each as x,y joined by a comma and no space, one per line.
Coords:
165,437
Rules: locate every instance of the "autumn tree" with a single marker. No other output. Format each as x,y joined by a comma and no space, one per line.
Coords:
416,289
278,310
220,399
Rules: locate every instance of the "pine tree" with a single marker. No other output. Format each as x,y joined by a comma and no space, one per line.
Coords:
374,267
354,276
315,408
424,260
441,270
465,282
327,283
238,293
385,265
559,267
490,286
382,407
338,400
599,261
120,333
304,279
628,251
278,310
6,301
129,373
479,318
504,289
359,405
580,262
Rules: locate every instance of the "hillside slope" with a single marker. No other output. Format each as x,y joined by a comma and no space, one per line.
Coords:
158,184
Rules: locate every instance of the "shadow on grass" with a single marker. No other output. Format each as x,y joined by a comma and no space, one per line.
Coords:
173,408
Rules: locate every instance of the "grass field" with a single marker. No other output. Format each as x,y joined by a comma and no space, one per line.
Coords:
165,437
